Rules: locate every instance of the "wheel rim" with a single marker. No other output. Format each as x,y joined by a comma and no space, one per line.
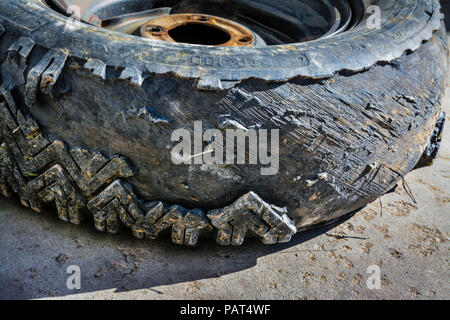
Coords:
260,22
198,29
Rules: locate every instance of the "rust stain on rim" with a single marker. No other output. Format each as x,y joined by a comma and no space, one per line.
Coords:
162,29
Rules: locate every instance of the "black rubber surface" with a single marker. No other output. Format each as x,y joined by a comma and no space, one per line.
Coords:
87,117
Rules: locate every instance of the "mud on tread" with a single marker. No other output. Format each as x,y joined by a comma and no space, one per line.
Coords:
43,171
76,179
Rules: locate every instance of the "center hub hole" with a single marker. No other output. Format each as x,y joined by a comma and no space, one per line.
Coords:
195,33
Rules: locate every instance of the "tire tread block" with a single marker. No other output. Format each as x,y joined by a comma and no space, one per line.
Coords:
251,213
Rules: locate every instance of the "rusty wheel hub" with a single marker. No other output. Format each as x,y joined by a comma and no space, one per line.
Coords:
198,29
237,23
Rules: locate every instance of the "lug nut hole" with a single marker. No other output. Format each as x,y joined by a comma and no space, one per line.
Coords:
154,29
245,40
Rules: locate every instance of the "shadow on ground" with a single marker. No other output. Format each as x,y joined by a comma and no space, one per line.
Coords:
38,248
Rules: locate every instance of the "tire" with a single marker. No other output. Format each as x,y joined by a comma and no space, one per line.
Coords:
87,117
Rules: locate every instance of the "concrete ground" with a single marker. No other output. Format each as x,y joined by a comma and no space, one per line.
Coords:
408,242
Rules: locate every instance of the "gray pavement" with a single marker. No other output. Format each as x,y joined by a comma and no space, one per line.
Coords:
408,242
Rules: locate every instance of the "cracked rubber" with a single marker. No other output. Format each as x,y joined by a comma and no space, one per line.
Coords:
86,117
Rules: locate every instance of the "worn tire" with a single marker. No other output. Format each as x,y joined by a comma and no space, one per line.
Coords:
87,115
